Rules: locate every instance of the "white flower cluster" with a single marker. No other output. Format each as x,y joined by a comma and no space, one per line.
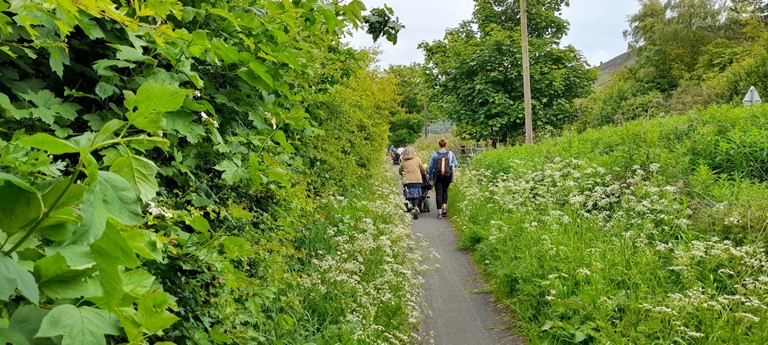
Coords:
637,220
376,266
157,210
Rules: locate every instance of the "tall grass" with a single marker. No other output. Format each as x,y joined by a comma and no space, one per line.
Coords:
650,233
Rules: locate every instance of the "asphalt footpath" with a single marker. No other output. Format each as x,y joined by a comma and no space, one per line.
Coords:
459,315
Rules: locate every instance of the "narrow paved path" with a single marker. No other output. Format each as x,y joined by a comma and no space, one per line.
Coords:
458,316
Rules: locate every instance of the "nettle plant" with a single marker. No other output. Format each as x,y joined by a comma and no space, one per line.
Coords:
107,108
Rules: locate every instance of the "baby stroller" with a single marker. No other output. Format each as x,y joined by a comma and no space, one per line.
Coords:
425,188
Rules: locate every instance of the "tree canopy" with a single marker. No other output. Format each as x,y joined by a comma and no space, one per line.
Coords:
477,69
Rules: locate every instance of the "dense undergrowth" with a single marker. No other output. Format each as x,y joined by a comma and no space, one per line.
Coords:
197,172
652,232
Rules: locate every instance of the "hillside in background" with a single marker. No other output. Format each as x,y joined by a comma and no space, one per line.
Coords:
608,68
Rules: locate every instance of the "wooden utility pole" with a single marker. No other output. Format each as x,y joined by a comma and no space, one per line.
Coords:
526,74
426,123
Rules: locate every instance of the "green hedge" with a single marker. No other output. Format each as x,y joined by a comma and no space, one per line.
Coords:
163,165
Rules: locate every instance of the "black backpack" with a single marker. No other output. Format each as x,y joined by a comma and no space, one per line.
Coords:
443,166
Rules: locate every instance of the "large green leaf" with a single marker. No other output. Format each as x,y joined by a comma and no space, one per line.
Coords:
137,282
57,280
60,191
105,90
160,97
24,324
112,250
60,224
49,107
154,318
237,247
126,53
12,277
79,326
49,143
102,67
20,204
255,79
198,223
77,257
279,136
110,196
107,131
153,100
139,172
58,58
145,244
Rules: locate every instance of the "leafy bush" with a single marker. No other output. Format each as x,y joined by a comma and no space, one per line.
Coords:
405,128
627,235
749,69
158,163
620,101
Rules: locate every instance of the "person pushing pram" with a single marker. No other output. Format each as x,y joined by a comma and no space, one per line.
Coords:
413,173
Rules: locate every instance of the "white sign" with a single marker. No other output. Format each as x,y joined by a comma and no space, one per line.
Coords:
752,97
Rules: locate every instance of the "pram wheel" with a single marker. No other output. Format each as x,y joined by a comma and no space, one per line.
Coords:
424,205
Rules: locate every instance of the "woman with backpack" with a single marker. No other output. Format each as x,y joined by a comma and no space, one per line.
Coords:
411,170
441,167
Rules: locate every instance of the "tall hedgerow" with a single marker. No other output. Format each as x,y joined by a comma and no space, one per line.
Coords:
154,166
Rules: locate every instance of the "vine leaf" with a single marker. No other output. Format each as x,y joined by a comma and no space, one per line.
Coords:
83,325
279,136
107,131
110,196
13,276
140,173
59,57
20,204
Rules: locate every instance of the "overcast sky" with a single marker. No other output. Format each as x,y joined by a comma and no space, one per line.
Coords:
596,26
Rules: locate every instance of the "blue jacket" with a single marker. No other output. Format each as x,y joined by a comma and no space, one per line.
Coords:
433,162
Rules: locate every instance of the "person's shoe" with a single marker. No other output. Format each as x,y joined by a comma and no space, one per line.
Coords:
439,215
415,215
444,211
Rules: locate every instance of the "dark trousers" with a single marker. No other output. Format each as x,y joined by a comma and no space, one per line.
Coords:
441,191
